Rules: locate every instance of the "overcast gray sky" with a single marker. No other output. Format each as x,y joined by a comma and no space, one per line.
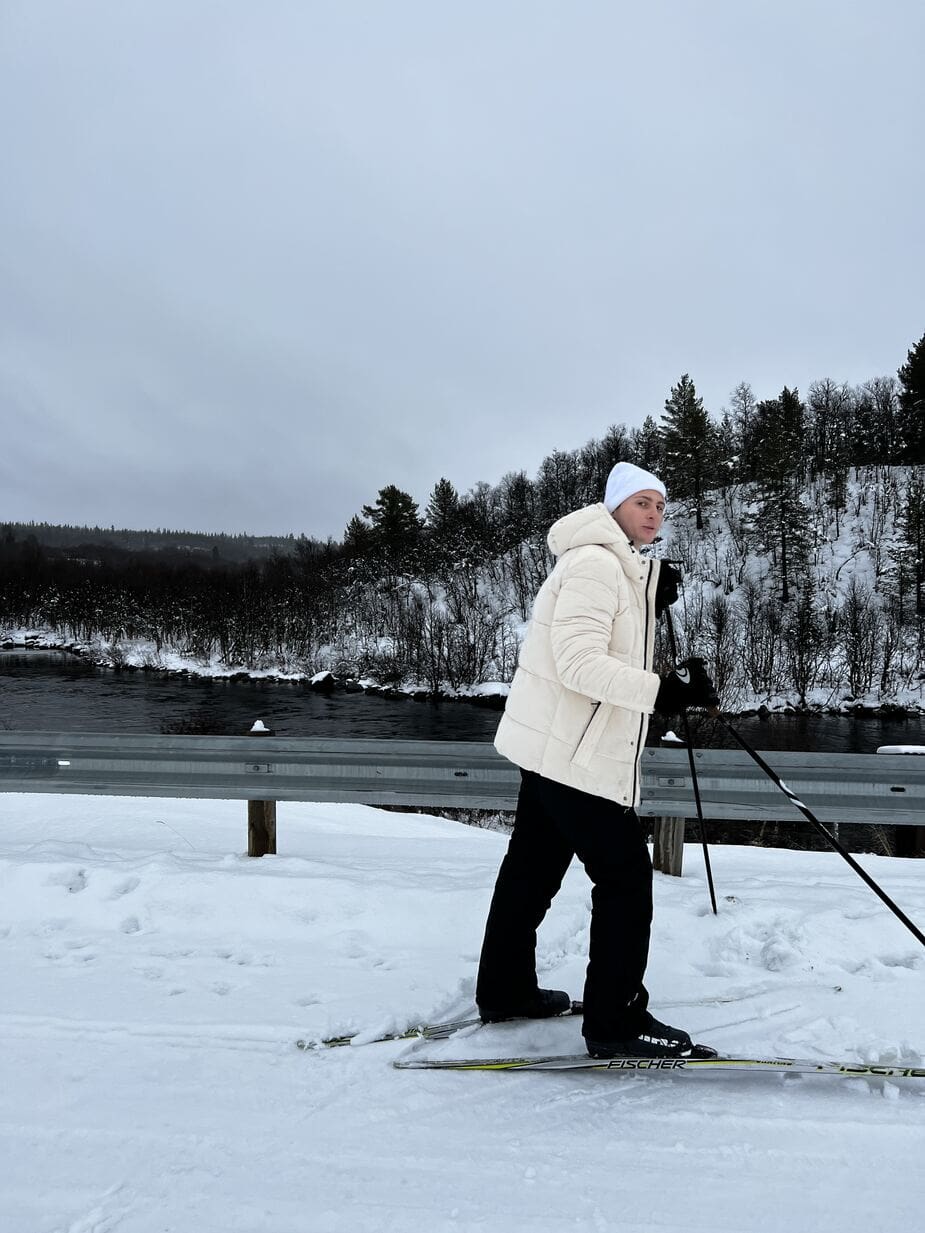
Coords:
258,260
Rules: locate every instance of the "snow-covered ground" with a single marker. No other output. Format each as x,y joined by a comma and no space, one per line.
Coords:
154,981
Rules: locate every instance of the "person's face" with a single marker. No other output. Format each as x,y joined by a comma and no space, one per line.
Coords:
640,516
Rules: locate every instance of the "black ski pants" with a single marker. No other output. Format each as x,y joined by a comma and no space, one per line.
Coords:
553,823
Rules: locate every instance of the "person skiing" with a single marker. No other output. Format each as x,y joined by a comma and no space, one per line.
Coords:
575,723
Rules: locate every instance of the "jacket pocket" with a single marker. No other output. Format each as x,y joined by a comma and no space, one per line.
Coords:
587,744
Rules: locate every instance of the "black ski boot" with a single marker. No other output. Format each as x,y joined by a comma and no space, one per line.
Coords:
543,1004
654,1039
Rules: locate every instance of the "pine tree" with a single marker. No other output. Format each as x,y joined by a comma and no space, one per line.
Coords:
518,516
806,640
444,531
647,449
780,427
690,446
396,525
912,405
442,513
910,549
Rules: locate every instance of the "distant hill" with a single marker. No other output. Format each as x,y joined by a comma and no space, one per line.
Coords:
114,541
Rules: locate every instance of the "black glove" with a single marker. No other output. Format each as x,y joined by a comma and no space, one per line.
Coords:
666,589
688,685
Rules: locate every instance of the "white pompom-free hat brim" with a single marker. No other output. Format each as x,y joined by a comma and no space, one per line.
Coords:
625,480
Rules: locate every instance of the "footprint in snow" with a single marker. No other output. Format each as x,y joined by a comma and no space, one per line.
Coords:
356,945
125,887
911,961
150,973
73,880
243,959
73,949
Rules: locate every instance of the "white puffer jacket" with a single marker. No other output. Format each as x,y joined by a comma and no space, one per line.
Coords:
583,691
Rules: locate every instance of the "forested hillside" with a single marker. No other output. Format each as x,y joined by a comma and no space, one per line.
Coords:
799,523
115,543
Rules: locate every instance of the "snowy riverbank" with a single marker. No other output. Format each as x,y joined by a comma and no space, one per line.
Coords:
155,981
138,655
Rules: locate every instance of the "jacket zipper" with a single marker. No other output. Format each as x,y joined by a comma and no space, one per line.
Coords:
645,654
594,711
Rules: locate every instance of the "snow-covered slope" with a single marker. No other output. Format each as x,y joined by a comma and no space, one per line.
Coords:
842,639
154,982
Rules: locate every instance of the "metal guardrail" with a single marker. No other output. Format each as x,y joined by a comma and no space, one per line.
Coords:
887,789
883,789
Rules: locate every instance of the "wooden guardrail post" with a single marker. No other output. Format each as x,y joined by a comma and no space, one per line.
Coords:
910,840
668,845
668,832
261,815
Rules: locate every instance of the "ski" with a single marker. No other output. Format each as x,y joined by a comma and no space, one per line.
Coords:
668,1065
421,1031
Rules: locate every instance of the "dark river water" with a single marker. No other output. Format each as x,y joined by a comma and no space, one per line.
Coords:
51,691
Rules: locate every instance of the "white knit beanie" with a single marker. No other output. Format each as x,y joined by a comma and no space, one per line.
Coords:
626,479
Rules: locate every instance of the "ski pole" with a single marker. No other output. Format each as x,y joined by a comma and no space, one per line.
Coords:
824,831
690,757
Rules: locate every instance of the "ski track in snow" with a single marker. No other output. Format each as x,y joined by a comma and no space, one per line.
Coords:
155,981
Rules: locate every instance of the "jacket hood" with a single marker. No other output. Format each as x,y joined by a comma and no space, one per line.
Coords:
590,525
